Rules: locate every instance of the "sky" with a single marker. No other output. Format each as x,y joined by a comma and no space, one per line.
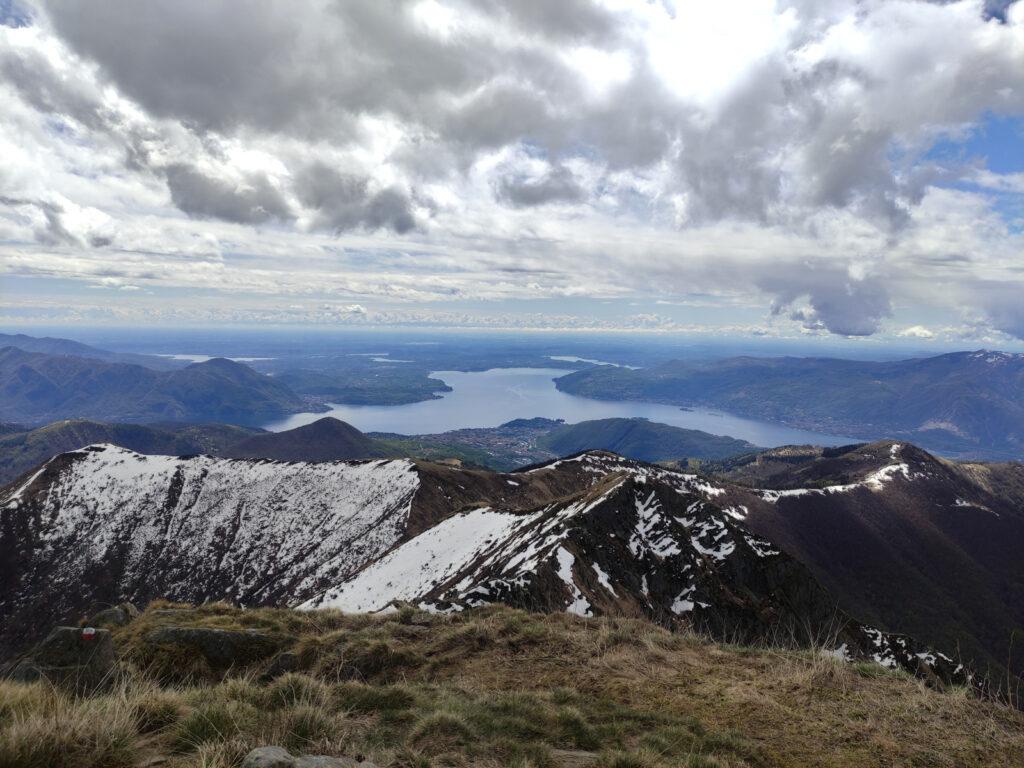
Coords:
792,169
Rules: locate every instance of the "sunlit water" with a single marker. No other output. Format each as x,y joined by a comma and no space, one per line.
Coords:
490,398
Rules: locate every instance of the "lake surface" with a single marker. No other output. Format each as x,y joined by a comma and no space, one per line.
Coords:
490,398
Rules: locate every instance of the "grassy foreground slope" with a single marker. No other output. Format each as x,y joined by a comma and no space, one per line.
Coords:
496,687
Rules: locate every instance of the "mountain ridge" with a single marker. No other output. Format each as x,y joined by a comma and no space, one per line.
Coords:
105,524
964,403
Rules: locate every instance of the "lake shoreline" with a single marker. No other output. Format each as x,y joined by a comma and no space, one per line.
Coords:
490,398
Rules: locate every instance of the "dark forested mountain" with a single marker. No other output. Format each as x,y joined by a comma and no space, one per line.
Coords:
969,403
365,384
326,439
591,535
38,388
640,439
47,345
21,448
530,441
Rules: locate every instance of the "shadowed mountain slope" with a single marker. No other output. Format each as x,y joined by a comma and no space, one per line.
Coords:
326,439
901,538
38,388
641,439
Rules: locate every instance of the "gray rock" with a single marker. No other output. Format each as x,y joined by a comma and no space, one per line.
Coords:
281,664
222,648
117,616
276,757
322,761
25,671
81,659
268,757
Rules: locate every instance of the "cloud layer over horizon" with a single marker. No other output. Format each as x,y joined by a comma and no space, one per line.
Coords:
780,167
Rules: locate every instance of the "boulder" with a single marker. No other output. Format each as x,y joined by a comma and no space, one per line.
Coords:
276,757
281,664
79,658
322,761
268,757
222,648
117,616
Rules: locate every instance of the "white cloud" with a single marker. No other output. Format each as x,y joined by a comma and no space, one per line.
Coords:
916,332
457,153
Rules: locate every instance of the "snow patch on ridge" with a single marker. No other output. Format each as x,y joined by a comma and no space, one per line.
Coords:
250,526
422,563
876,481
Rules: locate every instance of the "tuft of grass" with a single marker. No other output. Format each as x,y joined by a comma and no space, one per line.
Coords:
440,732
871,670
304,726
19,699
636,759
157,710
295,689
214,721
70,733
365,699
575,730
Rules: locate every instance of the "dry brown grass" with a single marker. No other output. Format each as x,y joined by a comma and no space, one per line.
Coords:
498,687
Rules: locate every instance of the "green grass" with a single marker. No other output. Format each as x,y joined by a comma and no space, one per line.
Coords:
498,687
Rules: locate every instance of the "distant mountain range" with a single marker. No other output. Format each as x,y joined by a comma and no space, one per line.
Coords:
518,443
47,345
593,535
528,441
966,403
39,387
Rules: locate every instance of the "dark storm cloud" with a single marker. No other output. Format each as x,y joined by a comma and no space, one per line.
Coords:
580,20
307,68
344,201
254,201
556,186
837,302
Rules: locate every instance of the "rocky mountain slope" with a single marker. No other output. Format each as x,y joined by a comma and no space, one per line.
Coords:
593,535
902,539
965,403
38,388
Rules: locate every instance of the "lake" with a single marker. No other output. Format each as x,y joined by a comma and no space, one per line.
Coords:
490,398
